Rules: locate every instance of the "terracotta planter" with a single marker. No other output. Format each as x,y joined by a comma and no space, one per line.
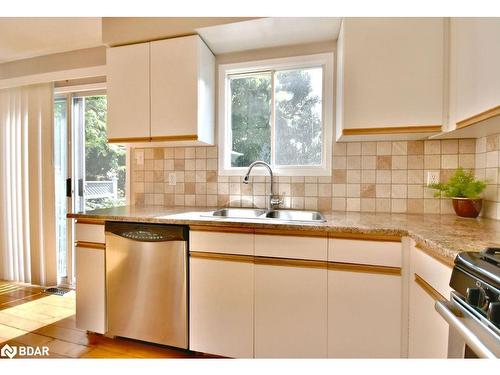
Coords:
466,207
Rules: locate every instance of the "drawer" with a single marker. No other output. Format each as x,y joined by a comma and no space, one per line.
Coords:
378,253
295,247
230,242
435,273
89,233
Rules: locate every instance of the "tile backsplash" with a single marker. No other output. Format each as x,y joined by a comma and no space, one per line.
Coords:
487,165
382,176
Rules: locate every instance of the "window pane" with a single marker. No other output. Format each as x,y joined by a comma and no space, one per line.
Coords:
250,119
298,97
104,162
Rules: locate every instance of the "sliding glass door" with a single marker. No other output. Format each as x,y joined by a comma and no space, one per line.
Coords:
90,173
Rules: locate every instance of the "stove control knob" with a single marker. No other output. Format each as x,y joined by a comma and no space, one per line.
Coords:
494,313
475,297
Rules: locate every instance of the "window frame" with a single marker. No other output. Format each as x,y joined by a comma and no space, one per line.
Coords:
324,60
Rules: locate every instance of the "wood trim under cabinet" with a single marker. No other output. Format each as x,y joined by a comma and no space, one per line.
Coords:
489,113
90,245
220,256
296,233
221,229
287,262
440,258
366,236
393,130
186,137
128,140
90,221
435,295
365,268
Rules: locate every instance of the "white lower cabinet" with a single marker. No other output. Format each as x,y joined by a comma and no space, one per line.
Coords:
364,314
90,289
290,310
428,330
429,281
221,306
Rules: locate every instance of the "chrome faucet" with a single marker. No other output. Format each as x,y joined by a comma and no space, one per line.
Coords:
273,202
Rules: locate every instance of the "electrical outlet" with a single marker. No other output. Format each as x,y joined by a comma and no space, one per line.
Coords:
172,179
432,177
139,157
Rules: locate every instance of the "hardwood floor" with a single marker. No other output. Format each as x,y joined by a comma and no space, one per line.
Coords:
30,317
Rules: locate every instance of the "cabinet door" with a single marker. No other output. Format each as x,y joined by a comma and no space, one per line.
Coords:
221,306
290,310
428,336
364,314
128,92
474,62
90,290
174,87
391,72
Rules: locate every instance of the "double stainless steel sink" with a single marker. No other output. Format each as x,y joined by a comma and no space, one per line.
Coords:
283,215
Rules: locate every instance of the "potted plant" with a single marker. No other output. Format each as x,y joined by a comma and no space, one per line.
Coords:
464,190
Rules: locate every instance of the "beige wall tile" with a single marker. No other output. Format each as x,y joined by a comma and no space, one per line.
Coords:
399,177
368,162
415,206
399,148
369,148
340,149
368,205
383,205
339,204
384,148
416,162
415,147
384,162
339,176
416,191
492,142
398,205
353,204
353,176
368,191
449,146
466,146
354,148
324,190
432,147
398,191
383,177
368,176
449,161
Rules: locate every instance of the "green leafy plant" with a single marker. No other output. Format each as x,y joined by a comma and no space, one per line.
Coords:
461,185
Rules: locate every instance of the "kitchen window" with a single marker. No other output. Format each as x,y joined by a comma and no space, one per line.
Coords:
278,111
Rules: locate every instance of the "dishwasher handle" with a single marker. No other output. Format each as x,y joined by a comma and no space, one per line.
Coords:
147,232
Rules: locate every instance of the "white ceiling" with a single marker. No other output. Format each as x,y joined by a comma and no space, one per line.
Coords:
26,37
269,32
29,37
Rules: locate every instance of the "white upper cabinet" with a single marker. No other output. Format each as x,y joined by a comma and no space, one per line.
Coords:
474,70
162,91
182,71
128,93
390,77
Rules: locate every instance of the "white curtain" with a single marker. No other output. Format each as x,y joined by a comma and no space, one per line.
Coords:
27,226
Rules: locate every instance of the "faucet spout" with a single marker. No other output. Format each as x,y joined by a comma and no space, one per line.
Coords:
271,201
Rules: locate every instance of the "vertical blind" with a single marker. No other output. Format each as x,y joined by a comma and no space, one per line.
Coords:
27,219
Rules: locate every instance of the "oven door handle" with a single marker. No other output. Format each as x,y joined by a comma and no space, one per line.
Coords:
477,337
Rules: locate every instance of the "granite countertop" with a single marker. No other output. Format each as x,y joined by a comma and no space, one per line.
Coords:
442,235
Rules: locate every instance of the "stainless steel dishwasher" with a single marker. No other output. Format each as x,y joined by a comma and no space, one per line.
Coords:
146,282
